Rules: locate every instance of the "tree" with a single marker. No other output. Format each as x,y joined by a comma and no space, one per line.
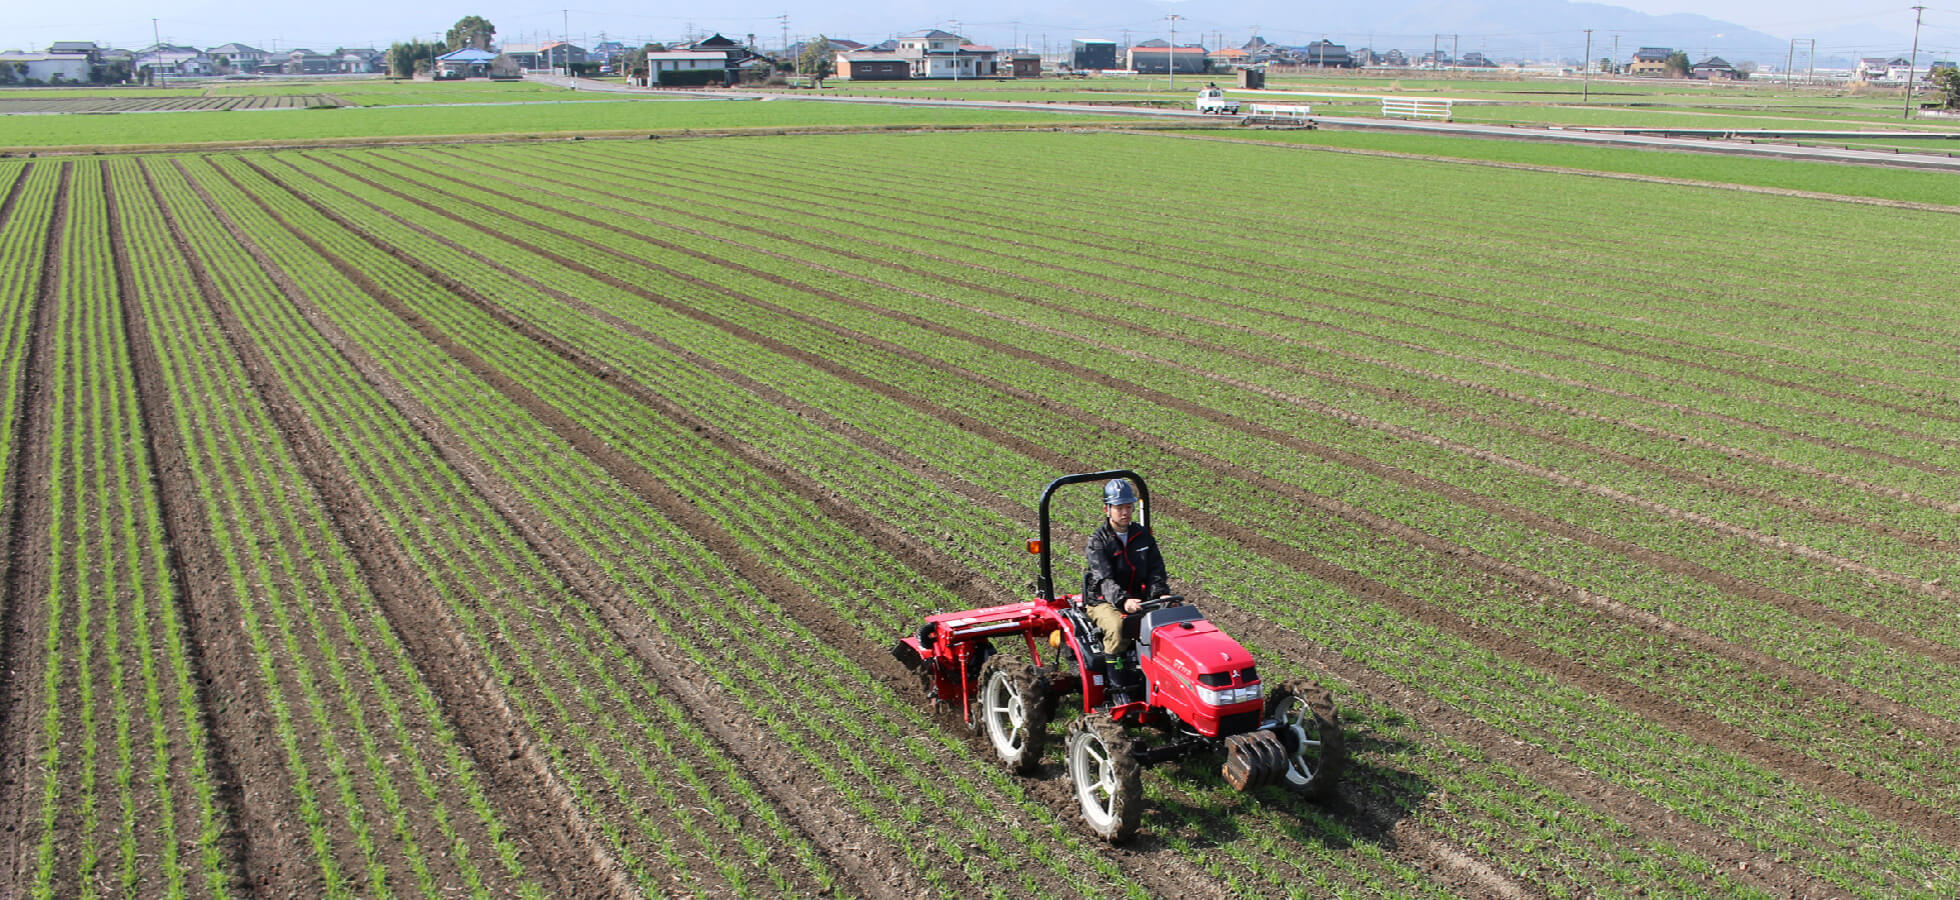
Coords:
635,63
1677,64
817,61
471,31
1946,79
406,58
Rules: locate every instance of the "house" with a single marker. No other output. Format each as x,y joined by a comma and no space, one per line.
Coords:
1325,54
1093,55
169,59
1435,59
939,54
77,48
47,68
238,57
307,62
873,65
1159,57
1649,61
673,62
359,60
736,57
1715,68
1023,65
468,62
1228,58
1476,60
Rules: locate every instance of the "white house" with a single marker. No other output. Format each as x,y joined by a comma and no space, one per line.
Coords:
684,61
47,67
468,62
939,54
166,59
1878,68
241,57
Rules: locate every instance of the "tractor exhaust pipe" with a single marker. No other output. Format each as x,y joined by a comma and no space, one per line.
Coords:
1254,759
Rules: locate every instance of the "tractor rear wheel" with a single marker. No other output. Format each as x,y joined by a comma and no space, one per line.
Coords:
1013,712
1108,780
1310,730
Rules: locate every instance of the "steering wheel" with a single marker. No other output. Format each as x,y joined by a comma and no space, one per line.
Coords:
1167,600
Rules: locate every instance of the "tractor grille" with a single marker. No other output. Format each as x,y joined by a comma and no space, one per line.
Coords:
1239,723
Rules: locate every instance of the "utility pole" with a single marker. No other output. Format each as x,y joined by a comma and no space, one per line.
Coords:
1790,61
565,49
1918,13
1616,51
1170,52
1454,56
1812,72
1585,74
784,20
1435,50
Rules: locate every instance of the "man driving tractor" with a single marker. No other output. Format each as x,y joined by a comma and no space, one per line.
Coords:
1125,569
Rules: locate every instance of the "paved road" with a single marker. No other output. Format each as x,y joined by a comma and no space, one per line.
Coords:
1937,161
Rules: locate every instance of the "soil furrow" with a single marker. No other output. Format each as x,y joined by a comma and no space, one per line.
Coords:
1548,227
1819,440
1916,539
1784,600
1733,739
161,458
563,847
1660,824
24,585
13,193
807,610
844,839
1429,312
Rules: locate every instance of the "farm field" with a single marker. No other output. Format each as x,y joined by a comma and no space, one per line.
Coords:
541,118
532,519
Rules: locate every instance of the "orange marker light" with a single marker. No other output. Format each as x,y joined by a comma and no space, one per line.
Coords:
1034,546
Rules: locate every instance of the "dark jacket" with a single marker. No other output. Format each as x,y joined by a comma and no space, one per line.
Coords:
1117,571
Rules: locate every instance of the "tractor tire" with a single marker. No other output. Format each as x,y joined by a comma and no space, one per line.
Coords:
1011,712
1310,730
1108,780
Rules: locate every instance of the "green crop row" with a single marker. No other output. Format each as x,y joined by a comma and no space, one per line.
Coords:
857,565
558,491
561,670
415,791
120,751
666,377
1204,357
1598,574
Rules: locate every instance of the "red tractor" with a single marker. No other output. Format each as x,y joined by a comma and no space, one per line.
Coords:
1201,693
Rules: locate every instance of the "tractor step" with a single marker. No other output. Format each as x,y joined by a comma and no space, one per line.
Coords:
1254,759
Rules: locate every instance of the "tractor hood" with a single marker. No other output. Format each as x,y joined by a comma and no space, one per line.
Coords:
1195,648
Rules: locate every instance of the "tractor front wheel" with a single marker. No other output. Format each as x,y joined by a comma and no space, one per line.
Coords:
1108,780
1310,730
1013,712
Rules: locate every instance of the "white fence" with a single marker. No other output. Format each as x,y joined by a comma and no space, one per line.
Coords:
1279,115
1417,109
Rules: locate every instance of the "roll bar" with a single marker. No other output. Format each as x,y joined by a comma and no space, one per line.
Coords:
1046,585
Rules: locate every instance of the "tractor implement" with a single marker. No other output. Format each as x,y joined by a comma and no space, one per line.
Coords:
1200,687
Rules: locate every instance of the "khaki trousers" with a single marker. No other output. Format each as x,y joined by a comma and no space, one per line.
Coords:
1110,619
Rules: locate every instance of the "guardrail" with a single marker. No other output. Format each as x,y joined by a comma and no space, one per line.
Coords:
1417,108
1294,114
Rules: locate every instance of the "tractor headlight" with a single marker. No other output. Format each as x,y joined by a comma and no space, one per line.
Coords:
1230,695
